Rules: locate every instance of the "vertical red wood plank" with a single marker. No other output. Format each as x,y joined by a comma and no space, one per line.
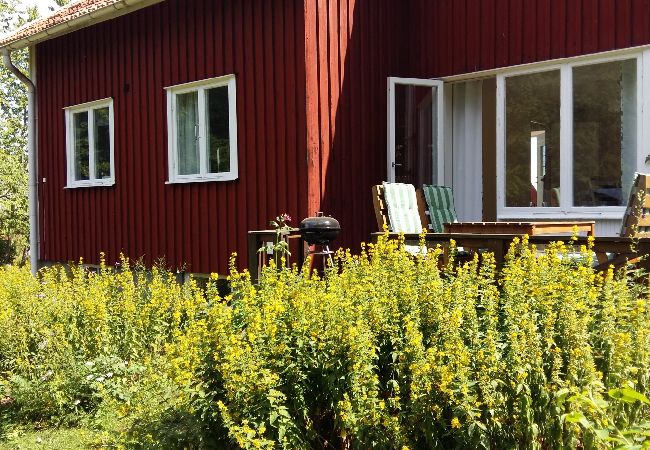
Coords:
502,33
99,55
441,64
132,118
235,226
281,68
182,47
607,24
558,28
161,248
343,117
515,37
298,33
154,151
590,26
323,91
114,87
125,187
488,33
236,57
65,197
374,73
312,103
78,221
94,195
368,40
201,37
88,206
132,146
474,33
199,234
144,79
529,31
45,153
543,30
209,233
193,259
224,59
249,179
180,202
355,83
330,165
623,23
169,195
640,25
275,202
574,28
44,163
293,63
256,168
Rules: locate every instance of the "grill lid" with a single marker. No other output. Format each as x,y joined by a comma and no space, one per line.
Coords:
319,223
320,230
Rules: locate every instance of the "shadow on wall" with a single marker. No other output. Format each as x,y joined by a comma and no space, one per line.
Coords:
358,45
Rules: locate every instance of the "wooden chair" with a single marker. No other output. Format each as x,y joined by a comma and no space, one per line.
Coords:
636,221
381,209
636,224
440,208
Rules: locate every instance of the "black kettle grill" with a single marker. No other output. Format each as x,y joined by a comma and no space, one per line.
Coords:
320,231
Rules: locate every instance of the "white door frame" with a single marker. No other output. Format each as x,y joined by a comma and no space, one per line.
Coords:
435,85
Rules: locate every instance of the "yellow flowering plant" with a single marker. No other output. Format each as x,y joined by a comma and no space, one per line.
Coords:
389,351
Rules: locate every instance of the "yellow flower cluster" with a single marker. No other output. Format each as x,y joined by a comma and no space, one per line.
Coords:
386,351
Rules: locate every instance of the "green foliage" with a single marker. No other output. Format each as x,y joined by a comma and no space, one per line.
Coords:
390,352
14,223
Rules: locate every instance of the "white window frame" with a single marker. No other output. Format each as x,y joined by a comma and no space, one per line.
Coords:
566,208
437,124
88,107
172,134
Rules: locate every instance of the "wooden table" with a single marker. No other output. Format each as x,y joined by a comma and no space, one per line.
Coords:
520,228
258,239
496,237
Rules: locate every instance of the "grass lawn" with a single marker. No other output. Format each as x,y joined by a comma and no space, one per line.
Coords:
60,439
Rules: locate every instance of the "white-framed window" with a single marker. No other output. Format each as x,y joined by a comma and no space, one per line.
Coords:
202,124
90,144
567,137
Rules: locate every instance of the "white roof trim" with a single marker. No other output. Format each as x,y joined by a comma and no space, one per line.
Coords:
108,12
616,53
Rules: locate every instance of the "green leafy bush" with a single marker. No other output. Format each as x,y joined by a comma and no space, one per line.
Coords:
390,351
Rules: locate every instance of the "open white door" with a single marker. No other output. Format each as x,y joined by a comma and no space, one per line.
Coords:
415,131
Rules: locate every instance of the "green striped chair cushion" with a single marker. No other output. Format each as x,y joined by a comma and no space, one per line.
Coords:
402,207
440,205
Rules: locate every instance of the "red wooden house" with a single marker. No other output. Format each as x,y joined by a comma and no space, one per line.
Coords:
168,128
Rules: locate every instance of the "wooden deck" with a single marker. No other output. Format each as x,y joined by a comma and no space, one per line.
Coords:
499,244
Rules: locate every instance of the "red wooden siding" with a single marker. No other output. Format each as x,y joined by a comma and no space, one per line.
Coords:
132,59
352,46
311,106
460,36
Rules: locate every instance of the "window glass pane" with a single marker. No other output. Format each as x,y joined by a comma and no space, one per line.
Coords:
416,154
102,143
604,133
81,145
187,133
218,141
533,139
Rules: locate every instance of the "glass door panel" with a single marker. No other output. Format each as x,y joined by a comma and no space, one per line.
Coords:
415,138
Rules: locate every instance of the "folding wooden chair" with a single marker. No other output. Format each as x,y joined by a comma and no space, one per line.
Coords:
383,217
440,206
636,224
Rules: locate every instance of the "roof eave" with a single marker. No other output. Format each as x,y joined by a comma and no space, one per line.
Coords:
107,13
